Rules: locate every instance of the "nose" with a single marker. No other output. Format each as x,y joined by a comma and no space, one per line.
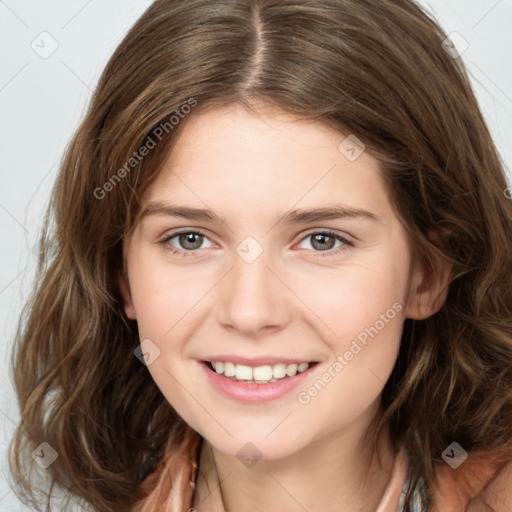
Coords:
253,300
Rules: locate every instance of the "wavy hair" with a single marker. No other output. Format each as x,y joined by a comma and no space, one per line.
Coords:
377,70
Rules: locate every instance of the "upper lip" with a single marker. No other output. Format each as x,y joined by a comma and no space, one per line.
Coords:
256,361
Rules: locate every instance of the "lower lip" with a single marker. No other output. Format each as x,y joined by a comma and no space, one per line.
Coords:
254,393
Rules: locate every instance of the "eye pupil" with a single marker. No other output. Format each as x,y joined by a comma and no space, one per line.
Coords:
320,238
187,239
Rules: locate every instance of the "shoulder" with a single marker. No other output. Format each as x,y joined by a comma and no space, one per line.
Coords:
497,494
479,484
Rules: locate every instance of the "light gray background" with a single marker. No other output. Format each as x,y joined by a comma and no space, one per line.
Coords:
42,101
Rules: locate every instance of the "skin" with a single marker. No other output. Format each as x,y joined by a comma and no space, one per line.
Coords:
295,300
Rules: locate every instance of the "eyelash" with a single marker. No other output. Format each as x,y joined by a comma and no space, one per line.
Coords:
331,252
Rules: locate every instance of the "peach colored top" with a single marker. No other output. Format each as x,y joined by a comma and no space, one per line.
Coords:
478,480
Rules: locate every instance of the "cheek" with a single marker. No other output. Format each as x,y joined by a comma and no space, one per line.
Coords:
368,323
360,313
348,300
164,295
166,301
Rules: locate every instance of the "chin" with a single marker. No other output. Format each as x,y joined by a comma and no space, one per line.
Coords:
257,445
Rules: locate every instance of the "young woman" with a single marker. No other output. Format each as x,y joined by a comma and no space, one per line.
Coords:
281,273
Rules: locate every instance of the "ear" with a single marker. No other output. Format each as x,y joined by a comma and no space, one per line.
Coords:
124,288
428,287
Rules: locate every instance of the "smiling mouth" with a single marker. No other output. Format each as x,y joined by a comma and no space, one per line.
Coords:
259,374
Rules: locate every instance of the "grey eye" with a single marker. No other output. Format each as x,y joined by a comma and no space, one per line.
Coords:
321,241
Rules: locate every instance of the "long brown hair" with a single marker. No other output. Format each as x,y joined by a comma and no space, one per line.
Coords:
377,70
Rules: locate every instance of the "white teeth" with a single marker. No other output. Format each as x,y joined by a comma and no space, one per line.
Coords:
243,372
291,370
258,374
279,370
302,367
262,372
229,370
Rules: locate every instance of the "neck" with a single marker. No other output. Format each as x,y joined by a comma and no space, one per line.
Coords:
337,473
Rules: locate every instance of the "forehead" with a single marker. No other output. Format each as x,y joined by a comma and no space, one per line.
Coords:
239,160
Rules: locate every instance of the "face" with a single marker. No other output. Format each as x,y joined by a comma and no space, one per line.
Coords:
299,258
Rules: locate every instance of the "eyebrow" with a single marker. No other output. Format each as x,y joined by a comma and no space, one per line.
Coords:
296,216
